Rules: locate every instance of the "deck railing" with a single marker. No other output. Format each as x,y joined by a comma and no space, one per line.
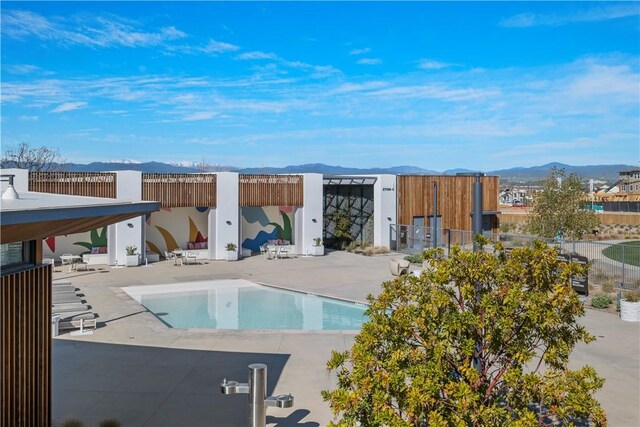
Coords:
175,190
92,184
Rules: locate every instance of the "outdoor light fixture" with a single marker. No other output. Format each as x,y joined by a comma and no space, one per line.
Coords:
388,218
314,220
10,193
129,225
228,222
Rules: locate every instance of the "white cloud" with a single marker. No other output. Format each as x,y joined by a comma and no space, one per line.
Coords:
246,56
26,69
430,64
357,87
360,51
101,31
370,61
593,14
68,106
435,91
200,115
25,118
214,46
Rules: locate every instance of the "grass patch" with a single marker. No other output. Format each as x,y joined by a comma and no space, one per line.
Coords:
627,252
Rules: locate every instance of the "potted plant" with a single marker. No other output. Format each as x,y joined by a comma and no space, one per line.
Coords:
318,247
630,306
132,256
232,251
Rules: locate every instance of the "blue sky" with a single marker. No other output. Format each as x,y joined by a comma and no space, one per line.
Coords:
367,84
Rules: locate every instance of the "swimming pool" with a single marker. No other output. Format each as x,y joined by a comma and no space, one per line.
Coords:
240,304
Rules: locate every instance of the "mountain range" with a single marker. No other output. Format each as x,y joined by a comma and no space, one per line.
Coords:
607,173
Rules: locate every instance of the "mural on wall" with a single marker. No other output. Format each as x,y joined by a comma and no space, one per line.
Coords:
261,224
75,244
174,228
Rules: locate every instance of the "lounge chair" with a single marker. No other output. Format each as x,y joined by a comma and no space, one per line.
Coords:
63,288
65,298
75,320
69,308
399,267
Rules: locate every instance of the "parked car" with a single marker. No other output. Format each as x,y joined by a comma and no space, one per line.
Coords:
517,204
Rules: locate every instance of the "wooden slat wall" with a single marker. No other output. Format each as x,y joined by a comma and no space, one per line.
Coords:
93,184
455,198
271,190
175,190
25,355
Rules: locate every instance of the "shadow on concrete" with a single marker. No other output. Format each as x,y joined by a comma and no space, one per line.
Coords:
154,386
293,420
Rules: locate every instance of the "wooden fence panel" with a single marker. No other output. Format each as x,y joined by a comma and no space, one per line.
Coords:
25,353
271,190
92,184
174,190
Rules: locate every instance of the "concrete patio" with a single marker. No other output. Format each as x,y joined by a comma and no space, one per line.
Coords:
142,373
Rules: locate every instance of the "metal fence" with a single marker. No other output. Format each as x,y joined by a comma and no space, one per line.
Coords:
616,263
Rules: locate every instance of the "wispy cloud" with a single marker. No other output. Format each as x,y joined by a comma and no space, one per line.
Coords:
200,115
26,118
68,106
360,51
99,31
22,69
248,56
214,46
369,61
593,14
430,64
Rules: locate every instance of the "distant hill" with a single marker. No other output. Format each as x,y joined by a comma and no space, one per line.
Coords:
607,173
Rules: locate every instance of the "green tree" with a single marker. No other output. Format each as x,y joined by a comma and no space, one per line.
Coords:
440,351
559,207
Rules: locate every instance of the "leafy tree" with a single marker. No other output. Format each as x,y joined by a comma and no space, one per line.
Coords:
559,207
41,159
440,351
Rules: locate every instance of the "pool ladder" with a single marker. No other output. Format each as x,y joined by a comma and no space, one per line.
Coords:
256,388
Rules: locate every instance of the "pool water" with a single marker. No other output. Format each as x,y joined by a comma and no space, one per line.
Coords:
239,304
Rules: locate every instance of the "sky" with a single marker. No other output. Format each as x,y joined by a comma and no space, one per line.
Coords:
477,85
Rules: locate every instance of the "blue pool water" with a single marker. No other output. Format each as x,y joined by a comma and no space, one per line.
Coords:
239,304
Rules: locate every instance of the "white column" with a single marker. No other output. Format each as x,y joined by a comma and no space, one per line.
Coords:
384,208
311,214
211,225
131,231
227,215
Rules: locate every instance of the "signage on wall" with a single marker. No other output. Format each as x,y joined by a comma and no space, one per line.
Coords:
388,189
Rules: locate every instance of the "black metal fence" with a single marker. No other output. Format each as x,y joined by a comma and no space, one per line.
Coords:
614,263
620,206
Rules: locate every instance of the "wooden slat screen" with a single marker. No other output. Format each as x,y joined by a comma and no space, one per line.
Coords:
25,355
93,184
455,198
175,190
271,190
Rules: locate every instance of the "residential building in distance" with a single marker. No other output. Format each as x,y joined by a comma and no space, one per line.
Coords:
630,181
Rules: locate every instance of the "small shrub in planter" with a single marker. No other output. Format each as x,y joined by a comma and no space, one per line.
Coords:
232,251
630,306
414,258
601,301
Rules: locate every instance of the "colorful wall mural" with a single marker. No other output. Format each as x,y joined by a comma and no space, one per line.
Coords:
172,228
261,224
76,244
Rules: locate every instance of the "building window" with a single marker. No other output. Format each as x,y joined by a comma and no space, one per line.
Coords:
11,254
16,254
